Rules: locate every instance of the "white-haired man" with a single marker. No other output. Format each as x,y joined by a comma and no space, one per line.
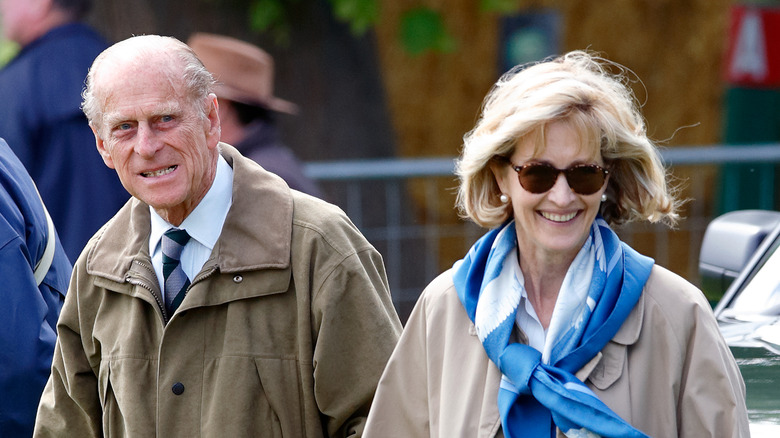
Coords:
217,302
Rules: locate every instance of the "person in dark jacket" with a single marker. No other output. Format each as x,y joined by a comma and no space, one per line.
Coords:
31,298
248,107
41,119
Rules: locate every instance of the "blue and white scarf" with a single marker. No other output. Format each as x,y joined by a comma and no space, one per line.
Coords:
535,395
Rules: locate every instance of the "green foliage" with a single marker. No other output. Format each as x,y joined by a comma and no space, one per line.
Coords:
423,29
273,16
270,16
500,6
359,14
265,14
8,50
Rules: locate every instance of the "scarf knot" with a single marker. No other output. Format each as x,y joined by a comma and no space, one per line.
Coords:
519,373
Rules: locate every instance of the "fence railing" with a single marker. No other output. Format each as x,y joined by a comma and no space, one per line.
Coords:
404,207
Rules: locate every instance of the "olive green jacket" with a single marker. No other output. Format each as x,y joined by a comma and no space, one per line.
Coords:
667,371
284,332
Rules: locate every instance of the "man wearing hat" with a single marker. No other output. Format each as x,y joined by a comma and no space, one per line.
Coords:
247,105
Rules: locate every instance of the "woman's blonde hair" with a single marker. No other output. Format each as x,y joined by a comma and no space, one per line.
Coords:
576,88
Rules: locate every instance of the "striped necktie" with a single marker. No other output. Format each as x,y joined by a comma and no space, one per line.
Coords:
176,281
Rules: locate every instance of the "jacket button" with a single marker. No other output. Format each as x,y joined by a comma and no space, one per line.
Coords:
178,388
238,279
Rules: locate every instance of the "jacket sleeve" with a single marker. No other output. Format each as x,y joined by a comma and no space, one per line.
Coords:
26,340
356,329
712,394
400,407
70,405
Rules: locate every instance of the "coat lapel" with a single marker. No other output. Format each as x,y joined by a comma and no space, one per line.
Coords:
607,367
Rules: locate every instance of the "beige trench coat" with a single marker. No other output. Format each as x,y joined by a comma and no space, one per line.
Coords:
667,371
284,332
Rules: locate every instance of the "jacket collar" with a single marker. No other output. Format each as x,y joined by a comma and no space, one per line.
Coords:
256,234
607,366
632,326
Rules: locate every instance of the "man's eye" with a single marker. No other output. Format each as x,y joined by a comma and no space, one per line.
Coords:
166,119
124,126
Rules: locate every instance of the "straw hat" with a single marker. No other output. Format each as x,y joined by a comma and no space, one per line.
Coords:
244,72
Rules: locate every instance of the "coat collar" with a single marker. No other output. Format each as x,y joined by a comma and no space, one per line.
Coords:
632,326
607,366
256,234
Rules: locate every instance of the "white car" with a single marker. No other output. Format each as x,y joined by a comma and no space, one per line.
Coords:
740,259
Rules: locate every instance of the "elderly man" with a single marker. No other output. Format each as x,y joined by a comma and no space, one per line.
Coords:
217,302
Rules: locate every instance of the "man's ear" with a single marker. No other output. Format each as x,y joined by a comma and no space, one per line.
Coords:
101,147
214,128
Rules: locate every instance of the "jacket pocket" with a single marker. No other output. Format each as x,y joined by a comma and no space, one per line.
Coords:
252,397
279,378
106,394
127,396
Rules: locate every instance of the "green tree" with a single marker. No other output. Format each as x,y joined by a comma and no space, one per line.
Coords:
422,29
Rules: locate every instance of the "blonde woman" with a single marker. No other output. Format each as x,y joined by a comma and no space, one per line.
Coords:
551,325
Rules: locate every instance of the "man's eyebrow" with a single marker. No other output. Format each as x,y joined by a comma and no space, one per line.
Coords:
172,108
113,119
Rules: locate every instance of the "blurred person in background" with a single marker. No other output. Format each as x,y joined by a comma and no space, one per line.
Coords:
551,325
217,301
248,107
35,272
41,119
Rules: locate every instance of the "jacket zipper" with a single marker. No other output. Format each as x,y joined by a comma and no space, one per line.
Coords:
203,275
160,304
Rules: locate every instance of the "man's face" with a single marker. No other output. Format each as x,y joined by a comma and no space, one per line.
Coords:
11,17
159,142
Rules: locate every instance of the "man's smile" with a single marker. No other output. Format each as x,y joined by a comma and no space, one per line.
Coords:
160,172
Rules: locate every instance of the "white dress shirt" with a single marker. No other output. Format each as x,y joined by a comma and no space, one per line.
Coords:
204,225
571,297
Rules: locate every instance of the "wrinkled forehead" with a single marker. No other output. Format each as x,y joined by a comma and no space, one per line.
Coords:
121,81
115,69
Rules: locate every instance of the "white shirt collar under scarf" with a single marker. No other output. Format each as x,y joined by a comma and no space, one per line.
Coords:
508,290
204,224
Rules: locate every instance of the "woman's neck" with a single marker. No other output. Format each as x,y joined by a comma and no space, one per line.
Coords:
543,279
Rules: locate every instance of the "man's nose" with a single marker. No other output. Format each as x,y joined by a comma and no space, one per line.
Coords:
148,142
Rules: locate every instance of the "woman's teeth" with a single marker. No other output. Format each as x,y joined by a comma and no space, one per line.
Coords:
559,217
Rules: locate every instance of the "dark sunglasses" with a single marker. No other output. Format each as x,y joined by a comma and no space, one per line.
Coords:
585,179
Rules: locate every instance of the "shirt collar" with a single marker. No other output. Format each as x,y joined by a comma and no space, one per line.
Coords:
526,317
204,223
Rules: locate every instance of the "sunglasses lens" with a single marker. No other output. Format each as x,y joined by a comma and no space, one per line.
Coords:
585,180
537,178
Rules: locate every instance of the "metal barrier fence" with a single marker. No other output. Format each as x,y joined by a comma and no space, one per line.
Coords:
404,207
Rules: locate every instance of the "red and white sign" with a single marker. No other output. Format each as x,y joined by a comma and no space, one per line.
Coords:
753,53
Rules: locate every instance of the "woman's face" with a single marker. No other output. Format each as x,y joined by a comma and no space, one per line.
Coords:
552,225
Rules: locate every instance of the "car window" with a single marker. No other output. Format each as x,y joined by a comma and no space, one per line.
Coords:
761,292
